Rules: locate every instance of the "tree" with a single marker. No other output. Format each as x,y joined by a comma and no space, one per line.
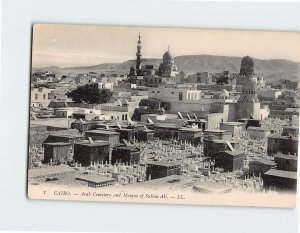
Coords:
90,93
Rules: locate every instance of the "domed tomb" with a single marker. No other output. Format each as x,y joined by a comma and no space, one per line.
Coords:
247,66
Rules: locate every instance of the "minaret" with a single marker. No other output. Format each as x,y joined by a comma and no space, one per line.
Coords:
138,54
248,105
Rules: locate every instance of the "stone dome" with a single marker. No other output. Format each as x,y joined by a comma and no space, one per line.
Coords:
168,56
247,66
247,61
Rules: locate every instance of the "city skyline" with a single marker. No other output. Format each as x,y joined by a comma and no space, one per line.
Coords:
75,45
154,134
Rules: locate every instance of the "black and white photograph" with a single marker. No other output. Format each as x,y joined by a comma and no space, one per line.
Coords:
164,115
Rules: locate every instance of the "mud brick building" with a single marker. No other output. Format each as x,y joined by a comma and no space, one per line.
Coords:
281,181
82,126
229,160
127,134
286,162
217,134
146,135
97,181
126,154
290,130
160,169
68,138
234,127
105,135
165,131
191,135
260,166
258,132
202,123
282,144
57,151
87,153
214,146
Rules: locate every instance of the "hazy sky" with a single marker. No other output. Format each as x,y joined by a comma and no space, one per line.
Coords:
74,45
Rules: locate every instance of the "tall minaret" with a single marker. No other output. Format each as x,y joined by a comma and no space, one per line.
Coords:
138,54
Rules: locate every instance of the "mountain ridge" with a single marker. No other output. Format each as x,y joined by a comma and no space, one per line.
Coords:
271,69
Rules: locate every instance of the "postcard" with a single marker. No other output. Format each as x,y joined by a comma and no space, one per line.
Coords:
164,115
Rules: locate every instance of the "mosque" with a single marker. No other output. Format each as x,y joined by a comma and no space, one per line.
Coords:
147,75
248,105
168,68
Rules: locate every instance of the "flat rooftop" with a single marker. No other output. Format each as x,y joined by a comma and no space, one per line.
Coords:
164,163
67,135
123,147
247,119
105,132
263,161
232,123
212,187
216,131
57,144
95,178
233,153
290,127
282,174
257,128
221,141
196,120
166,125
288,157
284,138
172,182
190,129
82,122
95,144
125,130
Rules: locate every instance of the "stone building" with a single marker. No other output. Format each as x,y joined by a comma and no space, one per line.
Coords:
235,128
229,160
56,152
211,147
258,132
191,135
280,181
282,144
126,154
260,166
105,135
160,169
199,77
168,68
41,97
286,162
217,134
95,152
247,66
290,130
67,138
149,76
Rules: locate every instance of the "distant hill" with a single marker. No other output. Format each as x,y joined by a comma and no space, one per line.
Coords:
270,69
